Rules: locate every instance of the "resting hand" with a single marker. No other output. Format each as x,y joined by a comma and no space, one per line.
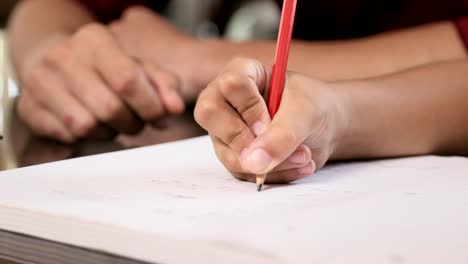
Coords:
85,84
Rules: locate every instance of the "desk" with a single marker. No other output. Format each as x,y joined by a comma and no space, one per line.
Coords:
22,148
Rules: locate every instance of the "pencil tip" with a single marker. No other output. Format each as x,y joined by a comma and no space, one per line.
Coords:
259,187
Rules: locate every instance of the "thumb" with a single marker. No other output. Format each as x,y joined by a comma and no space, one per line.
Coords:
281,138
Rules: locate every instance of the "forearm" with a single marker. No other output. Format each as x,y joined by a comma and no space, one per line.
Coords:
35,24
415,112
351,59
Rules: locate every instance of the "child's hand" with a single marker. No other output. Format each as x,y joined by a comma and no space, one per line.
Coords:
300,138
85,84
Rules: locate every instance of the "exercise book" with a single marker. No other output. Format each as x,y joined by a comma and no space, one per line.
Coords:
176,203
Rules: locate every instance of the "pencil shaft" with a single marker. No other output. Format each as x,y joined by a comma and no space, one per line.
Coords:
280,66
278,76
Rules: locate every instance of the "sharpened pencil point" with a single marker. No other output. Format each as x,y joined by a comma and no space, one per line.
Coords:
260,181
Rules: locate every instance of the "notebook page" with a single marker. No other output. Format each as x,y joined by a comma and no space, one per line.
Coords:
406,210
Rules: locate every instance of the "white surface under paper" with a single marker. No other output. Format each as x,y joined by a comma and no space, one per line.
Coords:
411,210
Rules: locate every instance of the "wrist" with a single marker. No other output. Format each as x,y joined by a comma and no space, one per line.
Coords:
341,117
358,110
353,130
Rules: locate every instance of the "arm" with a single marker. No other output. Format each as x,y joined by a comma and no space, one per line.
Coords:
30,28
415,112
350,59
147,35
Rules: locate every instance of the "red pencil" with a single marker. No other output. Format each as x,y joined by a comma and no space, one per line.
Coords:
278,76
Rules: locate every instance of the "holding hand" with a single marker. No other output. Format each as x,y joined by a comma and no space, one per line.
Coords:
85,84
298,141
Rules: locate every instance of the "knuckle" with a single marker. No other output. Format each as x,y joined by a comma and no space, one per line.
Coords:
229,82
35,78
123,82
93,36
236,134
132,11
90,31
59,54
204,111
110,110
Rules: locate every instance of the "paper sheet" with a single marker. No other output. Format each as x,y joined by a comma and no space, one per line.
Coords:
411,210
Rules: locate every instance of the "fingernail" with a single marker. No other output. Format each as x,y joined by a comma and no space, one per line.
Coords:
258,161
258,128
298,157
178,101
306,170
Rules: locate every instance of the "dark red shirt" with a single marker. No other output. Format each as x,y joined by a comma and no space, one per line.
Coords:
333,19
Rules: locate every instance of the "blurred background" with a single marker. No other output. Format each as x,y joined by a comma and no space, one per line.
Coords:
5,8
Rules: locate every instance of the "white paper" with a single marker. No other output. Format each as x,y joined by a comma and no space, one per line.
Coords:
411,210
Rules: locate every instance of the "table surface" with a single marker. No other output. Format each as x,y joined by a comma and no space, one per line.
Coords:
21,148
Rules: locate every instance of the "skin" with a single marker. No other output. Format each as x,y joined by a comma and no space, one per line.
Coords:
377,55
413,112
78,81
164,67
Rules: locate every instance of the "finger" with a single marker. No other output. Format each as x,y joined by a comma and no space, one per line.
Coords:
227,156
282,137
299,159
241,84
128,80
215,115
168,86
283,176
51,94
115,27
42,122
92,92
291,175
